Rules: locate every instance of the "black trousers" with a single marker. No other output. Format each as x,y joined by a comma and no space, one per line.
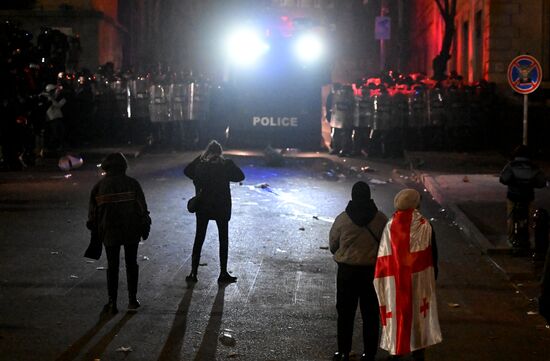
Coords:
132,269
200,235
354,285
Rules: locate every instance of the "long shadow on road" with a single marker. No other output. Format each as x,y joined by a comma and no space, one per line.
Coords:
174,341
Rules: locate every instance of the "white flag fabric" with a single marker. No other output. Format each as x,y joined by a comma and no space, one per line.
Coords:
405,284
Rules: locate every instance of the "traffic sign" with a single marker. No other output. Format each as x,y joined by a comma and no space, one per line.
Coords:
524,74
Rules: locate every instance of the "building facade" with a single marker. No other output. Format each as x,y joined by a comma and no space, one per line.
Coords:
488,35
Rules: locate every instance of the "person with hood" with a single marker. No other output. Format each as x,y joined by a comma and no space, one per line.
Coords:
118,216
211,174
353,240
404,279
521,176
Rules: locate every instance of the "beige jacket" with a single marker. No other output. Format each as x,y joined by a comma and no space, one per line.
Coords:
355,245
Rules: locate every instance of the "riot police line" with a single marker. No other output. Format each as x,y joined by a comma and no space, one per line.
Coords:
167,113
385,118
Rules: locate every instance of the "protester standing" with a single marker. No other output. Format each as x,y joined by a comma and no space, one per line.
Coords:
119,217
211,173
353,241
405,274
521,176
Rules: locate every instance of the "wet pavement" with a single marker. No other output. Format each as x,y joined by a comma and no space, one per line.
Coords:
283,305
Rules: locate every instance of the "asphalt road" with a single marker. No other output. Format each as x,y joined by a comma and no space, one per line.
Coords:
281,308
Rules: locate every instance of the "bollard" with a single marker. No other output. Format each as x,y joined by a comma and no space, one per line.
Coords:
540,227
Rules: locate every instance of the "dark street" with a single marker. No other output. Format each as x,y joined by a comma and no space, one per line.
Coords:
281,308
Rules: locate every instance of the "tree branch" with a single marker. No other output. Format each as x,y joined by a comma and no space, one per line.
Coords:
441,10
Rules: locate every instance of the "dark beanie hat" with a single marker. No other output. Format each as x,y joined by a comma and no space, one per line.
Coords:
360,191
114,163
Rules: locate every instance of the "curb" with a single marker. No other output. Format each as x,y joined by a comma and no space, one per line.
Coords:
467,226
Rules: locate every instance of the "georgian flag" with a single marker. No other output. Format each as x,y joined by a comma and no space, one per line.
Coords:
405,284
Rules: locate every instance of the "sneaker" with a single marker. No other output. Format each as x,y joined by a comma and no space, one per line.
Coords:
191,278
110,308
227,278
133,304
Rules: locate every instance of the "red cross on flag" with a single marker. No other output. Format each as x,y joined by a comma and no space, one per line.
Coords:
405,284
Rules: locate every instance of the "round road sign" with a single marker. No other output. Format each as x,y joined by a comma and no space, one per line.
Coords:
524,74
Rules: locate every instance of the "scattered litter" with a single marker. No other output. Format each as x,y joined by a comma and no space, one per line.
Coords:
203,264
323,247
330,175
90,261
73,276
519,284
315,217
67,176
233,355
141,243
465,179
390,180
227,338
531,313
442,210
377,181
101,268
281,250
69,162
124,349
367,169
301,229
453,305
433,219
262,185
54,252
145,258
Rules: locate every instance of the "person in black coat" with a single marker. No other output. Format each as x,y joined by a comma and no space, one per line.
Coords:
521,176
116,214
211,174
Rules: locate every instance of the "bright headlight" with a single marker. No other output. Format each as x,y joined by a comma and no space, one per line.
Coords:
245,46
309,48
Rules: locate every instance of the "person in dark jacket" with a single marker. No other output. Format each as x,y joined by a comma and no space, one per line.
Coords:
117,212
521,176
211,174
353,240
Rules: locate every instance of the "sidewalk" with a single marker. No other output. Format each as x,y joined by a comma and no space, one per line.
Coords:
467,187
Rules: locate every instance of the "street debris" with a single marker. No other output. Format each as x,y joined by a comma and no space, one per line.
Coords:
465,179
69,162
262,185
281,250
323,247
203,264
442,210
453,305
301,229
90,261
73,276
233,355
531,313
315,217
227,339
54,252
101,268
145,258
366,169
124,349
377,181
273,157
330,175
